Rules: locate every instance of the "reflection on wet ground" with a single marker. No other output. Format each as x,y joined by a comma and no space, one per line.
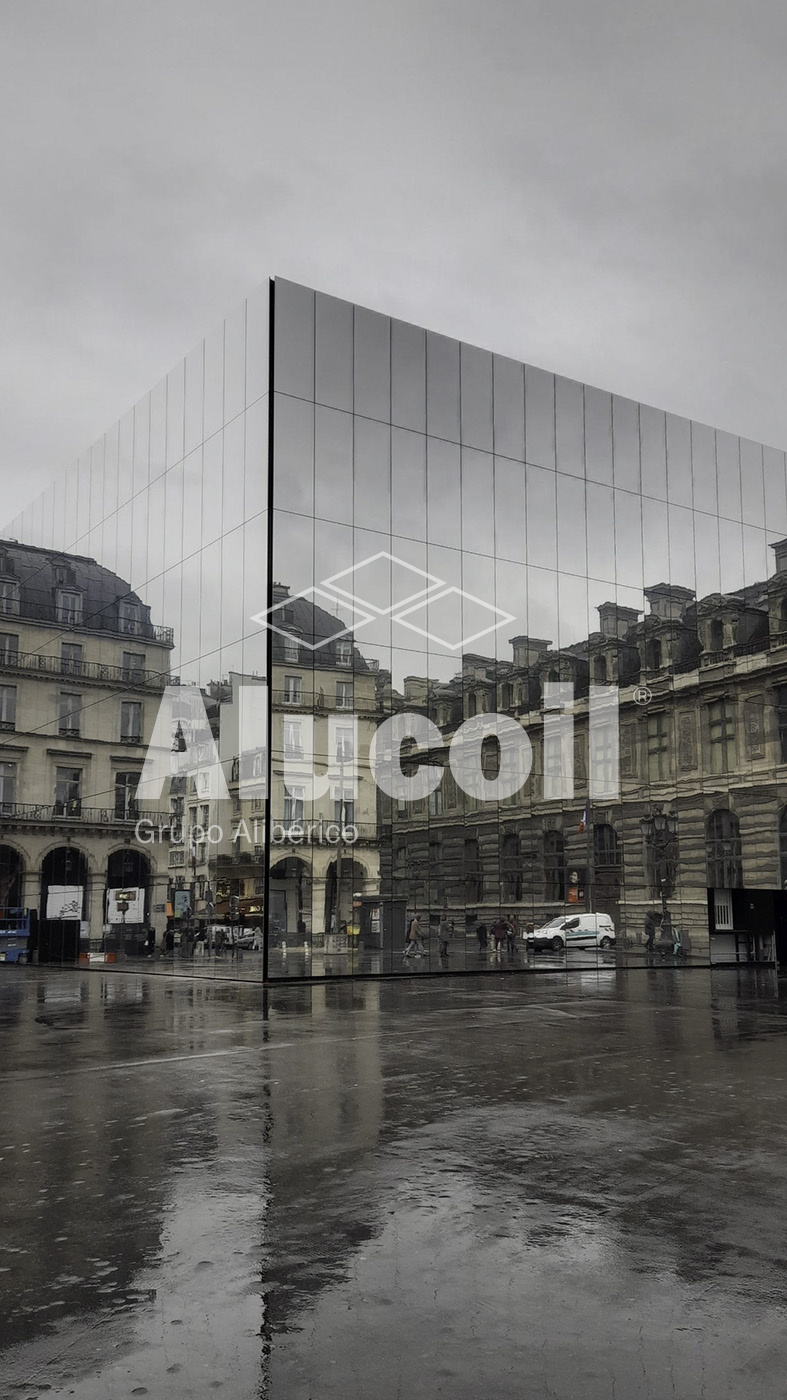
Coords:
299,960
564,1185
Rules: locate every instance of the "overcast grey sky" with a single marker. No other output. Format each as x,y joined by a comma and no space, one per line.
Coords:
596,186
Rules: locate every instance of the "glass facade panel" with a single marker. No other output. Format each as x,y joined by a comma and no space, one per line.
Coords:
625,443
334,352
372,364
508,690
476,398
570,426
442,387
509,408
598,435
539,417
408,376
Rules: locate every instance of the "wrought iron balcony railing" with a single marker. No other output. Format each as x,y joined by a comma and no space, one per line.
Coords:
71,811
106,621
82,670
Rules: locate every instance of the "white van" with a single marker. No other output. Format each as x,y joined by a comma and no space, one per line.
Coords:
574,931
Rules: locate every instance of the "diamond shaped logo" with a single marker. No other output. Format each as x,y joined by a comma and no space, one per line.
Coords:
383,583
310,617
453,618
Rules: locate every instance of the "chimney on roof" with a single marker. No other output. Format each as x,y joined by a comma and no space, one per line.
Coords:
669,601
779,548
280,592
528,650
616,620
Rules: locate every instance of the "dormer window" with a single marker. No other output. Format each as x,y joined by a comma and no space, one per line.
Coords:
128,617
69,606
600,670
9,596
716,635
344,652
291,652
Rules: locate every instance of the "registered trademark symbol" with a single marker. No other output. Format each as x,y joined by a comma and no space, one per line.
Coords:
643,695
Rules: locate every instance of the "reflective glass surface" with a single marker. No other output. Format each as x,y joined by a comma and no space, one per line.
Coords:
508,695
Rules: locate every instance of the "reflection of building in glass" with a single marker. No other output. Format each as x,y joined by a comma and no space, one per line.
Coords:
324,807
82,668
427,502
700,802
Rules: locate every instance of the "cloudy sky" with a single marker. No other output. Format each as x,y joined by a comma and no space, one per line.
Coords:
596,186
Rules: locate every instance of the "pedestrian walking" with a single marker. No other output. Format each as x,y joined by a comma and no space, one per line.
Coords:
445,933
415,943
511,934
499,932
650,930
483,937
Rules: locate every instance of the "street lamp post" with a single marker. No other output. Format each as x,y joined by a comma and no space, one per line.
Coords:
659,831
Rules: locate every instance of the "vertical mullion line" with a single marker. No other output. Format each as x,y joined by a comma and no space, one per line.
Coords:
266,873
390,632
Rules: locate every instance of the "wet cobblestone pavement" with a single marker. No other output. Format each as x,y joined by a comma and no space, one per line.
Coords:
514,1187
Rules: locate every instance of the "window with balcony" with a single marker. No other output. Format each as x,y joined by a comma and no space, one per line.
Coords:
128,617
126,808
293,738
69,710
292,690
7,787
344,695
344,652
69,607
293,805
9,596
9,648
130,722
133,665
71,657
7,706
345,748
344,811
68,792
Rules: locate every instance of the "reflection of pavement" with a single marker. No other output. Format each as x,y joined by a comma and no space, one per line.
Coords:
301,961
420,1187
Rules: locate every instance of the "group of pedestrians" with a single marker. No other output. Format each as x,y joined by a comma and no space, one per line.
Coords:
504,934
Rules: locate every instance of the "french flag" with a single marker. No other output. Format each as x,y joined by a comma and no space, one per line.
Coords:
583,821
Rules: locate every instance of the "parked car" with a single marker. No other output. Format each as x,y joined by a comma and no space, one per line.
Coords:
576,931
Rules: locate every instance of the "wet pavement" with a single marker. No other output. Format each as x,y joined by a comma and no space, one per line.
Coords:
568,1186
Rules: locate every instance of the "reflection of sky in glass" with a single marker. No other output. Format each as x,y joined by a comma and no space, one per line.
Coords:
173,497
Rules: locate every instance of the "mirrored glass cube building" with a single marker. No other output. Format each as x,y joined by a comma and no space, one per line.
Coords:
422,634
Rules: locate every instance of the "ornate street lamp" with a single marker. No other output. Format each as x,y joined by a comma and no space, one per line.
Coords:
659,831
